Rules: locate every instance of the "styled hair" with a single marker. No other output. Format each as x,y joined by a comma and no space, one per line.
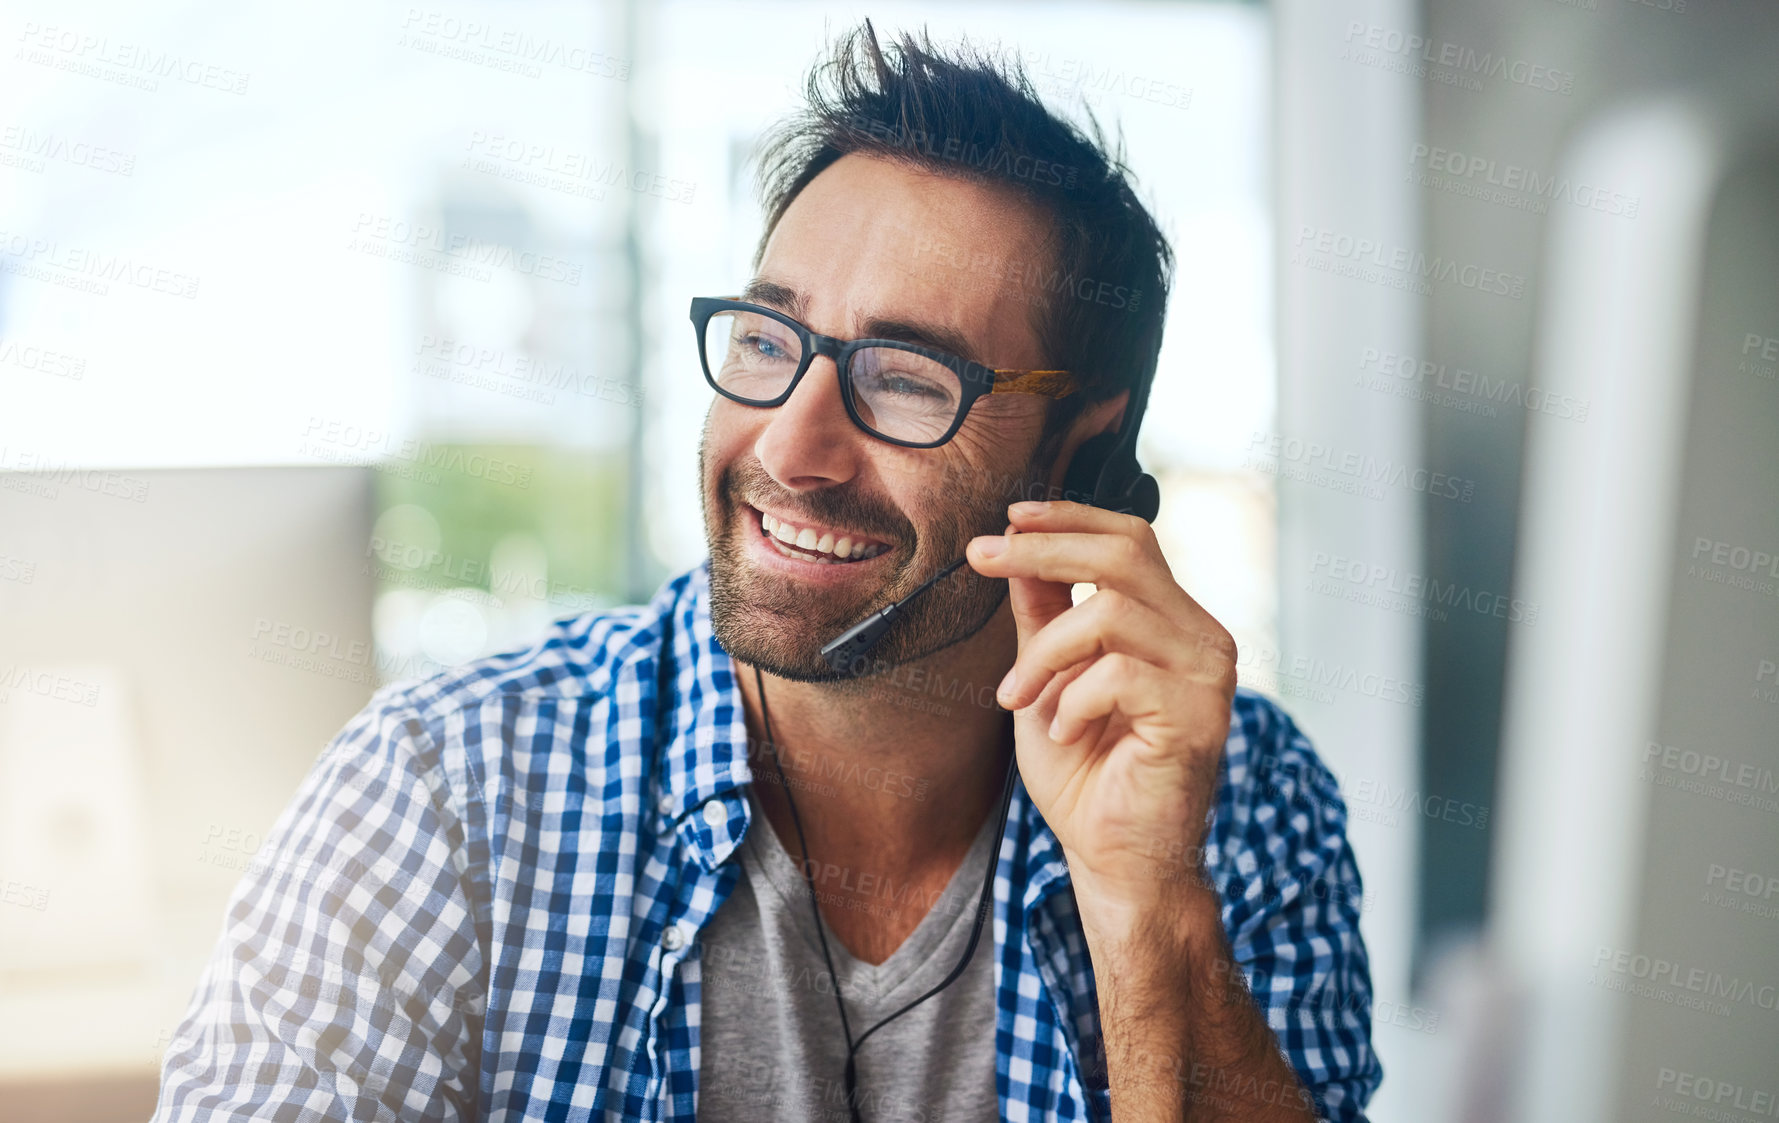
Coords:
1097,305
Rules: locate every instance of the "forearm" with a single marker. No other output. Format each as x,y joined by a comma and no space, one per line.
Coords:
1184,1039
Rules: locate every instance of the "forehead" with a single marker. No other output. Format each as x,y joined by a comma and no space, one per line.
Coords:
873,238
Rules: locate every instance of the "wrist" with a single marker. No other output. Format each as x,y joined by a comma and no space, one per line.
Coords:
1175,929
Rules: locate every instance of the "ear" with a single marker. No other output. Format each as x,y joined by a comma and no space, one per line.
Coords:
1101,417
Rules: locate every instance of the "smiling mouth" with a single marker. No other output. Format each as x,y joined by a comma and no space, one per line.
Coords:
811,544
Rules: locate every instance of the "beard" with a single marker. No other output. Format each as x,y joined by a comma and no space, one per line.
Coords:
770,621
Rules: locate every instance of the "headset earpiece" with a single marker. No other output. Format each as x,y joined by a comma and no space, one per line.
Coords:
1098,475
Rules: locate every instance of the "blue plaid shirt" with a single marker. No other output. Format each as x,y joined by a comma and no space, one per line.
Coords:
484,904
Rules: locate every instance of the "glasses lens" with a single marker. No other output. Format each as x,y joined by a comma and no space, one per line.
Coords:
903,395
750,355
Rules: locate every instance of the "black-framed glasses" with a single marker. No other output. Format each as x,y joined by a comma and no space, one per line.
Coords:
903,393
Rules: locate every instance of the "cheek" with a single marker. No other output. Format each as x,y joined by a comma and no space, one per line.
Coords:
991,447
729,432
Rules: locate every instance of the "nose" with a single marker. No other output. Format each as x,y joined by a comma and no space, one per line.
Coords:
809,442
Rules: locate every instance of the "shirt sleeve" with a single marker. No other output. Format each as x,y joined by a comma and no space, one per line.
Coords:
348,983
1292,899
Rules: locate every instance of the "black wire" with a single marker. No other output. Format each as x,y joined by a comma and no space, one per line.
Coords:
982,906
803,864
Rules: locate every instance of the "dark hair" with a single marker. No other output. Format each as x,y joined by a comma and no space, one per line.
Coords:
1104,293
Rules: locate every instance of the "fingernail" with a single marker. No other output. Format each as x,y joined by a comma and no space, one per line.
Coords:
1008,684
1055,733
1030,507
991,546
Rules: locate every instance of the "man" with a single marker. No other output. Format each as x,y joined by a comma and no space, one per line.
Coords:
547,885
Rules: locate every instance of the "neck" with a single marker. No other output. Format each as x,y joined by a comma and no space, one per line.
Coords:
899,769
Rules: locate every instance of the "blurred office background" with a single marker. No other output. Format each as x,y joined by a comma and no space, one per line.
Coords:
353,345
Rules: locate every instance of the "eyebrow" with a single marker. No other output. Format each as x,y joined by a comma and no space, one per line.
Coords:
796,304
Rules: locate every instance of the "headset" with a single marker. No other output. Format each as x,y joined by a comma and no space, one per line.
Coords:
1104,471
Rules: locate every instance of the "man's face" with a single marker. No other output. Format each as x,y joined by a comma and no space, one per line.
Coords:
850,245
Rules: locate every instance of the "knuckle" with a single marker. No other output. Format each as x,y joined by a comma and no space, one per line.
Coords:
1143,532
1118,666
1216,643
1113,605
1227,679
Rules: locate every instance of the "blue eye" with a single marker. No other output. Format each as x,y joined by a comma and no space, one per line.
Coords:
766,347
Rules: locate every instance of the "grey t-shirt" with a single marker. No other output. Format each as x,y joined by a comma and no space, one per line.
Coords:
771,1044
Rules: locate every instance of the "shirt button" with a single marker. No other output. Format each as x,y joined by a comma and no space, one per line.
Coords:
665,806
673,937
715,813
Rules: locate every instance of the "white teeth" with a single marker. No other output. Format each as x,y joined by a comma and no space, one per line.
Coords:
822,548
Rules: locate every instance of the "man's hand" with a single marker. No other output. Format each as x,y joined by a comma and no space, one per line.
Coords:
1123,700
1122,712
